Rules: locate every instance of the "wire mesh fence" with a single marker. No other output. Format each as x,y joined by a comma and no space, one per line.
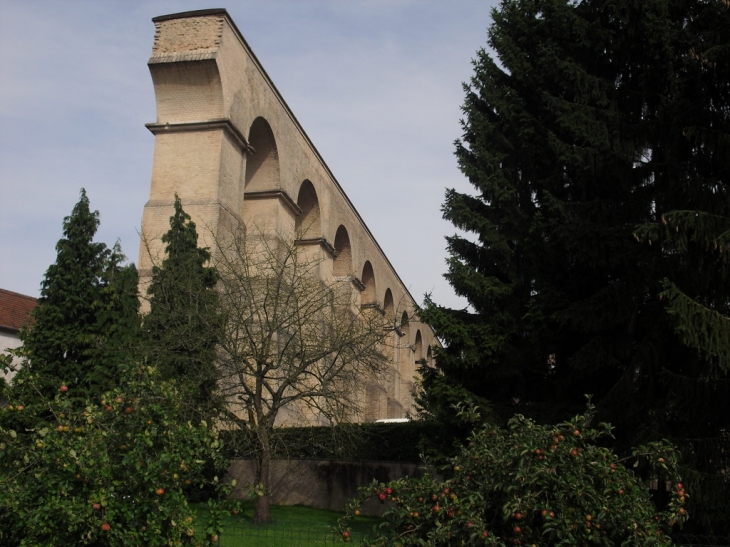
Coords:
691,540
283,536
324,536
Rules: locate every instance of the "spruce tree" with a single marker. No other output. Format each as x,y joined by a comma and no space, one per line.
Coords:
86,320
590,255
181,328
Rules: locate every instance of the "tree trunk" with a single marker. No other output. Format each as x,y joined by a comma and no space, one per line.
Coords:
261,509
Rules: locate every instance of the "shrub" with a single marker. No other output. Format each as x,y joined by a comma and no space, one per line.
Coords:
110,473
532,485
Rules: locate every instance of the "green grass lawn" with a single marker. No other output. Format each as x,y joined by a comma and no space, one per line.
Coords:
291,526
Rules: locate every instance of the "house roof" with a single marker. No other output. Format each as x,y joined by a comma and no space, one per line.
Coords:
15,309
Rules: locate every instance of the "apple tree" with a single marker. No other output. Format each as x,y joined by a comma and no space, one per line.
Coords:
112,472
531,484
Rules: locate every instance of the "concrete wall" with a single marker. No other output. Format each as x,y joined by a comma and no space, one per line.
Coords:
324,484
230,147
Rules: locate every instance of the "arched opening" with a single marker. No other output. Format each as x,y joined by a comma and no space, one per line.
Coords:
406,355
308,224
343,254
418,346
368,279
375,407
262,167
405,326
388,304
390,344
429,357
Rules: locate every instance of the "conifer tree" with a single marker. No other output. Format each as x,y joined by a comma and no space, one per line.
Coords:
182,325
86,318
594,259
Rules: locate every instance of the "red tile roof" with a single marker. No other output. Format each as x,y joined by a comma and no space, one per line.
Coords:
14,309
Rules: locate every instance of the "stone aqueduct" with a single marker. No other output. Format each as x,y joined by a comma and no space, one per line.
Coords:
230,147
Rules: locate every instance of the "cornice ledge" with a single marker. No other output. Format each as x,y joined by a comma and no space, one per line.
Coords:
206,125
318,241
275,194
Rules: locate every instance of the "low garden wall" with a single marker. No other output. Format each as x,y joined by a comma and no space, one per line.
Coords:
325,484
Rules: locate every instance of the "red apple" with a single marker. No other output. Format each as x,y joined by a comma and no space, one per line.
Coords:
160,491
96,507
106,527
63,389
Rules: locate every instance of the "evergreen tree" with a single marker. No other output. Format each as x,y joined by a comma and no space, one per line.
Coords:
87,313
592,263
182,325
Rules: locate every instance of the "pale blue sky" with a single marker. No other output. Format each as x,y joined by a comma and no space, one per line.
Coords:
376,84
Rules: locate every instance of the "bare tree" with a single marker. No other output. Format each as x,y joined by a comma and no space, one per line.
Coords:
296,347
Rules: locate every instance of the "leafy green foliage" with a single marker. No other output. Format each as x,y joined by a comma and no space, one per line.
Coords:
111,473
593,252
86,316
532,485
436,397
182,326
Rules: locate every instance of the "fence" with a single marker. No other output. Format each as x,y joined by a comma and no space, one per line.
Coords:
690,540
282,536
323,536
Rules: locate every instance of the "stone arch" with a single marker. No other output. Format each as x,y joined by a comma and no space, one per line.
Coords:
308,223
376,403
406,355
343,253
262,167
368,279
388,303
405,326
418,346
